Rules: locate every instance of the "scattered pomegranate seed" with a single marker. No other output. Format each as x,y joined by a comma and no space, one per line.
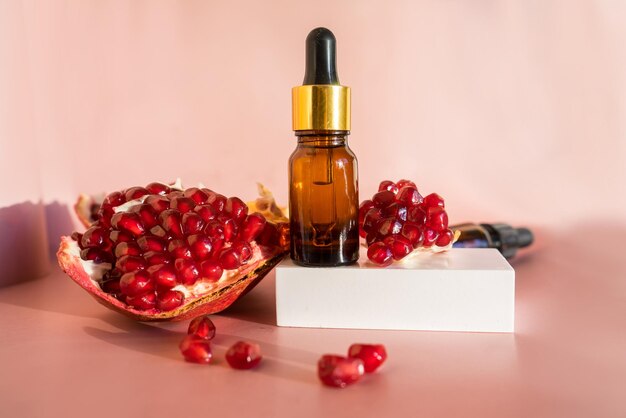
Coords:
243,355
196,349
202,327
338,371
372,355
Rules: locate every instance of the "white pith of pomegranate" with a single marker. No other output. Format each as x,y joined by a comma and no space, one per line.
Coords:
163,251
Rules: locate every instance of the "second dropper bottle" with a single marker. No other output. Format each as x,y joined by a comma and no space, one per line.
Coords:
323,173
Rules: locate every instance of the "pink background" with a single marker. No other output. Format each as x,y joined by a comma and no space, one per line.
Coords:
513,111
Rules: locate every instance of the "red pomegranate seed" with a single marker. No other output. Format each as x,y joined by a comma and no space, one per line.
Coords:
143,302
413,233
229,227
243,355
437,218
243,249
410,195
113,200
384,198
430,236
214,230
93,237
211,271
158,231
127,248
202,327
183,204
338,371
200,246
120,236
158,188
400,247
111,286
164,275
229,259
155,257
135,193
372,355
137,283
403,183
433,200
129,222
389,186
252,227
380,254
151,243
96,255
130,263
147,215
218,202
236,208
206,212
158,203
444,238
416,214
388,226
197,195
187,271
169,300
192,223
396,210
365,207
171,222
179,249
196,350
371,218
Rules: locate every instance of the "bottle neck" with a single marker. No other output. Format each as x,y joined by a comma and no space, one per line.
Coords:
322,138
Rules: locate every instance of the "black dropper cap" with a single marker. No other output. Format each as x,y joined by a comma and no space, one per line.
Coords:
321,58
511,239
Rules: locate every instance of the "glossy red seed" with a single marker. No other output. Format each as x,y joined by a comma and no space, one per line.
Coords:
251,227
158,203
365,206
200,246
214,230
409,195
338,371
416,214
372,355
155,257
243,249
113,200
143,302
379,253
444,238
120,236
111,286
202,327
403,183
389,186
137,283
96,255
218,202
388,226
147,215
170,220
158,188
192,223
206,212
135,193
187,271
196,349
383,199
93,237
430,236
127,248
236,209
229,259
396,210
197,195
210,270
437,218
183,204
243,355
413,233
163,275
169,300
229,227
130,263
400,247
151,243
433,200
372,218
158,231
179,249
129,222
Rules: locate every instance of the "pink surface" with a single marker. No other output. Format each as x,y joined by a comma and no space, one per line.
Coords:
513,111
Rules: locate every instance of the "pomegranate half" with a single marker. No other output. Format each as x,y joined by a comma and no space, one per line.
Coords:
162,252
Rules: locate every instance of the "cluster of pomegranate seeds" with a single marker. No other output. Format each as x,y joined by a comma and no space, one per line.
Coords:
196,346
166,237
398,220
339,371
243,355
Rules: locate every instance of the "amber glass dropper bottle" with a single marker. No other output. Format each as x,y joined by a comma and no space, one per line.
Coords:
323,184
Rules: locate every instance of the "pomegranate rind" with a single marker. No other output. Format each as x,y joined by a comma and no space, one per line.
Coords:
209,303
266,205
85,208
